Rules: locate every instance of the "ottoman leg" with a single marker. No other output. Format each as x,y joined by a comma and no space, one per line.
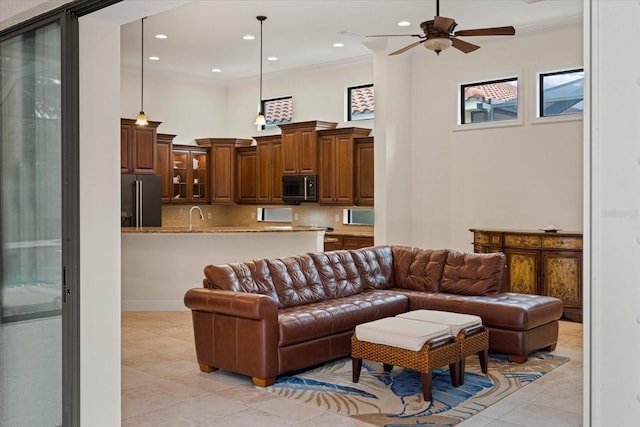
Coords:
426,385
462,370
484,358
455,373
356,366
387,367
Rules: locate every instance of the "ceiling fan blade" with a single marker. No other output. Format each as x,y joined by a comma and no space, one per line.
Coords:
464,46
396,35
495,31
444,24
406,48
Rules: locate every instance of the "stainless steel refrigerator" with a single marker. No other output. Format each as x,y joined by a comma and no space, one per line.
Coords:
141,204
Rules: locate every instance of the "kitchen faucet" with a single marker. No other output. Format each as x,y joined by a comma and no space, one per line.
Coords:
190,215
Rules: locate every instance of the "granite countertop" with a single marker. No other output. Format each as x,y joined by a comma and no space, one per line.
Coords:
219,229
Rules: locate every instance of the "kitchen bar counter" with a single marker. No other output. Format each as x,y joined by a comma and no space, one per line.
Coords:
160,264
221,229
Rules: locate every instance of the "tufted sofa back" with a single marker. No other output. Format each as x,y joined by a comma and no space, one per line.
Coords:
315,277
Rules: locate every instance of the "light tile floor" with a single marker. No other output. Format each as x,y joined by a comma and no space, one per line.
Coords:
162,386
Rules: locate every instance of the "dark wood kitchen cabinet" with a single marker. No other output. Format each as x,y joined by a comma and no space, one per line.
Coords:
364,190
190,177
333,242
246,179
539,263
269,169
337,165
138,147
164,163
223,167
300,146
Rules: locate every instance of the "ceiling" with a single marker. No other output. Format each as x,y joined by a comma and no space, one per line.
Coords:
207,34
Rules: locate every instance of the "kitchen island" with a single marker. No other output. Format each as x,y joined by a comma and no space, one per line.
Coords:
160,264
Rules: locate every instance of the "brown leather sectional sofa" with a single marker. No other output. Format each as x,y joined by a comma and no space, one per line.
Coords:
267,317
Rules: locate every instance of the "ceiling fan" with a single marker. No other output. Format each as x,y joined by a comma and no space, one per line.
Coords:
439,35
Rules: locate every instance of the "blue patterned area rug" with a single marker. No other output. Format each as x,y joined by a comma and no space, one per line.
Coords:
395,398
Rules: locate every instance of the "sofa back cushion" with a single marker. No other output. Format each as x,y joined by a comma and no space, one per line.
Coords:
418,269
249,276
338,273
467,273
375,265
296,280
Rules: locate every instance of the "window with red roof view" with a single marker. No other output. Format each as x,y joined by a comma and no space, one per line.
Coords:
489,101
360,102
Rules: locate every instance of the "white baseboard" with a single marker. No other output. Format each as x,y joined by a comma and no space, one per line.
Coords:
153,306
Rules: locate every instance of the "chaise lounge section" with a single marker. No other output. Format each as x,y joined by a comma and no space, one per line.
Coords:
267,317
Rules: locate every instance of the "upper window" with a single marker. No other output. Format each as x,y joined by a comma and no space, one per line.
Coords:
360,102
561,93
277,111
489,101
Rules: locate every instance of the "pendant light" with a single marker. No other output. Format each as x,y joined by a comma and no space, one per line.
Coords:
142,117
260,120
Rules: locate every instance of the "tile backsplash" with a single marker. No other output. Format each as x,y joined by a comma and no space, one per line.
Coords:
245,216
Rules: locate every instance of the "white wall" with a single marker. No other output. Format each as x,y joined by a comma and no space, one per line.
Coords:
188,108
522,177
318,94
99,225
614,319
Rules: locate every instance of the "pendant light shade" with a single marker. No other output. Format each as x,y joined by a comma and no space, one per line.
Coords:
142,117
260,120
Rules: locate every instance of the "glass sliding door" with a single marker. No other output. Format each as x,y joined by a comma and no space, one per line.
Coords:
31,227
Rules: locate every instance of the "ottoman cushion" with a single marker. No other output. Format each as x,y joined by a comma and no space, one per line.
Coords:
397,332
456,321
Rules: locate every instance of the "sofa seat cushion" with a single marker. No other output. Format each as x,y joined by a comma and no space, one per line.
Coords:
307,322
409,334
510,311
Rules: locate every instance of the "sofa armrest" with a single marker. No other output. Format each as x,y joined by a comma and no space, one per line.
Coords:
240,304
235,331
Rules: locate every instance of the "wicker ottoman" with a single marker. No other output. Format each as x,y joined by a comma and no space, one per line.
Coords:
471,335
412,344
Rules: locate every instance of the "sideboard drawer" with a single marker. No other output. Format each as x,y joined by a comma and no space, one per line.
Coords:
555,242
522,241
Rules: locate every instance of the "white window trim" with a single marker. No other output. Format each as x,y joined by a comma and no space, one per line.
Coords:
536,119
458,126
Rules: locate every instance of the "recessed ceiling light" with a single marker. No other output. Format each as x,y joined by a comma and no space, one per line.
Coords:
338,44
216,70
272,58
404,23
154,58
248,37
161,36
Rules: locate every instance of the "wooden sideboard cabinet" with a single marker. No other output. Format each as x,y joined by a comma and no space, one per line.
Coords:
539,263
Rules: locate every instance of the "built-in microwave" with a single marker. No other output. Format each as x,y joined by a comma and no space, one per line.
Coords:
299,188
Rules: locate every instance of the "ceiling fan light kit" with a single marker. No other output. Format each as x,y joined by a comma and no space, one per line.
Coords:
438,44
439,35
